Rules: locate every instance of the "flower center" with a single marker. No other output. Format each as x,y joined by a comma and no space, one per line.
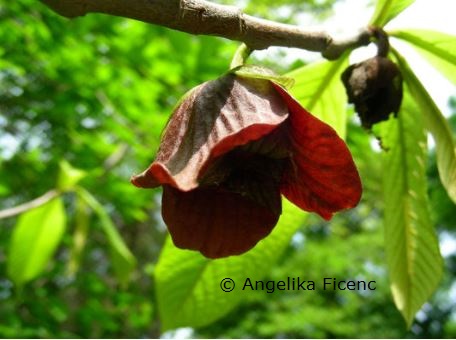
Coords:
253,170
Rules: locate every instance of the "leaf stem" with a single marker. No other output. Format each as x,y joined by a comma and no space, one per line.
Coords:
241,55
381,40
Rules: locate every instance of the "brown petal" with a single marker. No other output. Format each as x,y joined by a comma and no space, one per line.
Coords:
322,176
216,222
213,119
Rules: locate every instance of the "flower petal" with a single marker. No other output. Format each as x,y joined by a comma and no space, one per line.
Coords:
213,119
216,222
322,176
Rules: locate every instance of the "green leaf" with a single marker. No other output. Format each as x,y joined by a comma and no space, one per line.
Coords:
68,176
188,284
123,260
412,250
386,10
437,125
439,48
319,89
35,239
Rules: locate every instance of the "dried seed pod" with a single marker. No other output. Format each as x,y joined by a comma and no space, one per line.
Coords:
375,87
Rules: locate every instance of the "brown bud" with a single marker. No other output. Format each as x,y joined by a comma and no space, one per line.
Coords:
375,87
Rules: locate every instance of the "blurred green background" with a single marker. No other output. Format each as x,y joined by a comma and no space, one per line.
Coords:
97,92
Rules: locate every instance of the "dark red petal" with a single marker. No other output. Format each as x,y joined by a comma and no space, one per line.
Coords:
322,177
216,222
213,119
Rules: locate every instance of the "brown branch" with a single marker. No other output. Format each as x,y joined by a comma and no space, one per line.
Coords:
203,17
35,203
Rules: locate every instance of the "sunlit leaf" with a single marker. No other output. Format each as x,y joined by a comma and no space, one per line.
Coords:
386,10
437,125
34,241
123,260
412,249
439,48
318,89
188,284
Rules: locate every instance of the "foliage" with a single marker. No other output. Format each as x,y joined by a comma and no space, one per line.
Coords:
34,241
411,246
82,106
386,10
436,46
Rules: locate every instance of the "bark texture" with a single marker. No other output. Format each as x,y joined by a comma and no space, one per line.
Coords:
206,18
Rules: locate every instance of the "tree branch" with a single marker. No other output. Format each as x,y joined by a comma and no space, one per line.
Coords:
29,205
203,17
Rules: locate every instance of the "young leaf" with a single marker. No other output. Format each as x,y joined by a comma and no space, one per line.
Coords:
69,176
386,10
439,48
123,260
35,239
412,249
188,284
319,90
437,125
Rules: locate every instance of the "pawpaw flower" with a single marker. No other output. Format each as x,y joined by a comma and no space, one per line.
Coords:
230,149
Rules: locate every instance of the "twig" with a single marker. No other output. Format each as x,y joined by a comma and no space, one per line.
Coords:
35,203
108,164
203,17
115,157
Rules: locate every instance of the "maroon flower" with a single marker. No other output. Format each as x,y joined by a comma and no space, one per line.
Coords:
230,149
